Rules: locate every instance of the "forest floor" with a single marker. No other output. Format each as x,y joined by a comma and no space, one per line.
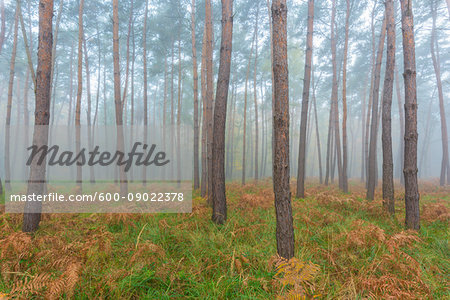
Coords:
346,248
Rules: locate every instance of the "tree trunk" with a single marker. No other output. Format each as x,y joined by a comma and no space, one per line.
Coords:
334,97
219,203
344,104
145,96
178,143
319,153
412,219
204,179
12,68
209,91
255,97
118,103
305,99
36,183
388,164
89,106
283,208
369,107
195,79
374,123
2,32
79,93
402,126
27,47
437,70
363,122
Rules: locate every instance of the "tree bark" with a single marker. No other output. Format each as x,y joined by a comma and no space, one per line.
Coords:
388,164
219,203
36,183
117,101
445,168
344,104
305,99
412,219
283,208
195,79
12,67
319,153
374,122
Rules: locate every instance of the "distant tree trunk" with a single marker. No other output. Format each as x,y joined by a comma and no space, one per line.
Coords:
117,101
164,113
127,68
145,96
388,164
255,98
89,106
329,144
283,208
344,104
27,47
2,32
36,183
305,99
369,107
412,219
178,142
195,79
79,93
204,179
12,67
363,122
219,202
402,125
334,97
319,153
374,124
209,91
69,118
55,41
437,70
244,141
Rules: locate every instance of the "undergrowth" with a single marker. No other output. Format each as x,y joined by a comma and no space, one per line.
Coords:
346,248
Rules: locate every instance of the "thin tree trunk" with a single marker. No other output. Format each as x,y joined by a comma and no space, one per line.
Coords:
195,79
437,70
388,164
55,41
27,47
12,68
319,153
145,96
256,98
374,124
209,91
344,104
283,208
36,183
334,97
363,122
79,93
244,141
89,106
117,100
412,219
219,203
204,179
127,70
178,143
402,126
2,36
305,99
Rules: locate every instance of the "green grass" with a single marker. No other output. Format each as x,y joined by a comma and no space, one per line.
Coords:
169,256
